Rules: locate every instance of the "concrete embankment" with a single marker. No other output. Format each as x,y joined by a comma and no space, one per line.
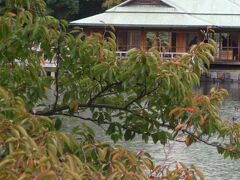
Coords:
221,75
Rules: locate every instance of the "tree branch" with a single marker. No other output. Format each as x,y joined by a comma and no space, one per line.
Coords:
57,74
204,141
142,95
102,91
101,106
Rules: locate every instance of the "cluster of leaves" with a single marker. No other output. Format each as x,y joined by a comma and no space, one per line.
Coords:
142,95
32,147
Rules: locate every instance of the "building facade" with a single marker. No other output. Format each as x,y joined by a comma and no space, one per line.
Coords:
172,26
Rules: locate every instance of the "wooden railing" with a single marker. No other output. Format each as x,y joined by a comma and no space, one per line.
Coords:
228,54
164,55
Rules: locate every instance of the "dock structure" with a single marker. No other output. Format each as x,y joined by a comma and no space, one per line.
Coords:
172,26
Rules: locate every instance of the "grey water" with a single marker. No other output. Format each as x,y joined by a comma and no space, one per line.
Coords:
206,158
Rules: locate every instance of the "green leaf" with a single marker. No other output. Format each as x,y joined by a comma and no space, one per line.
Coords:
128,135
58,124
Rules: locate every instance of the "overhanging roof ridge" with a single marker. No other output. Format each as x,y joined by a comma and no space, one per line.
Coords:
172,5
234,2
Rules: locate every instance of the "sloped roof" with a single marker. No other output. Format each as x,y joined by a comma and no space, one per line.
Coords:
177,13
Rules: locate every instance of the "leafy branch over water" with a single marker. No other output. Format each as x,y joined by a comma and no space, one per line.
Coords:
142,95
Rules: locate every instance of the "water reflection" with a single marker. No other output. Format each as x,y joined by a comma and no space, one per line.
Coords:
213,165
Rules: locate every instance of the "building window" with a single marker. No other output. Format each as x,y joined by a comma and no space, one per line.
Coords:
128,40
159,40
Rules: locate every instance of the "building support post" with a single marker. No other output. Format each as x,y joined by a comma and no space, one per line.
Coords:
143,40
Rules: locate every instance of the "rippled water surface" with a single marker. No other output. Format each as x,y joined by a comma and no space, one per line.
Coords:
213,165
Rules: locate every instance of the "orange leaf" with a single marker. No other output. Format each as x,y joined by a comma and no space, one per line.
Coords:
174,111
30,164
149,165
157,169
52,31
117,155
187,177
75,108
202,121
11,14
177,63
178,127
187,141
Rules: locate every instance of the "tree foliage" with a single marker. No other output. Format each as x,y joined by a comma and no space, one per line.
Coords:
63,9
143,95
111,3
31,147
74,9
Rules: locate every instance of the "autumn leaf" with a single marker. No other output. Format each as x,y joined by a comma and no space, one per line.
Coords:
52,31
178,127
42,60
117,155
30,164
157,169
75,108
174,111
230,148
187,177
11,14
187,141
152,178
202,120
200,100
177,63
190,108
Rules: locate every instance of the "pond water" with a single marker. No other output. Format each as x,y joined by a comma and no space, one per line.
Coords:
206,158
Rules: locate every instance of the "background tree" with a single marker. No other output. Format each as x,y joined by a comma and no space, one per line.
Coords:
89,8
63,9
143,95
111,3
74,9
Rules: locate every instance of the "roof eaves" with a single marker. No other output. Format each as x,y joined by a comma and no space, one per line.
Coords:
140,25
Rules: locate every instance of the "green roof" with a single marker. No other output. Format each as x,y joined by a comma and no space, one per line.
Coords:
177,13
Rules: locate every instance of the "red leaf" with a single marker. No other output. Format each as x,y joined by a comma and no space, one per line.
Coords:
187,177
190,108
200,100
230,148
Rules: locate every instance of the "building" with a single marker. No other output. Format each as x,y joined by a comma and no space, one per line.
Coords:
172,26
